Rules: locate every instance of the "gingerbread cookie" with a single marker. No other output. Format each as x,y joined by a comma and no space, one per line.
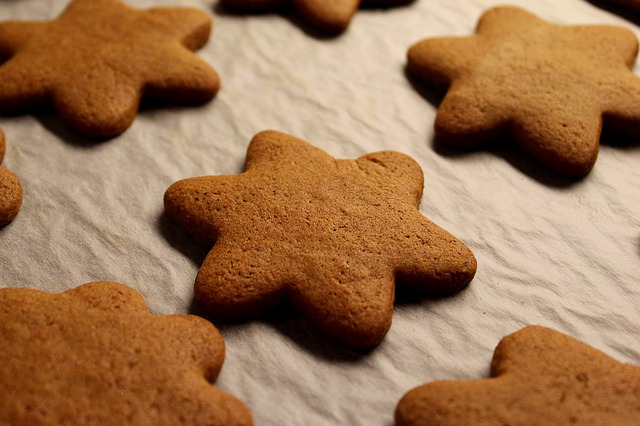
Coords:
94,355
97,60
550,87
328,16
538,377
10,190
329,236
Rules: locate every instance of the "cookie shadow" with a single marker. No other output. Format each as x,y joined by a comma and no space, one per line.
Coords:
504,147
180,240
430,94
508,150
50,120
289,322
408,296
629,13
618,140
296,328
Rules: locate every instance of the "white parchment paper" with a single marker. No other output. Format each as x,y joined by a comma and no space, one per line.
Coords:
551,251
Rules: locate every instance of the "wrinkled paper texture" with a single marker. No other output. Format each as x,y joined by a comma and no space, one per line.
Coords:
551,251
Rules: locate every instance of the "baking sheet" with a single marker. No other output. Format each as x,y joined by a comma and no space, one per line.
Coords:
551,251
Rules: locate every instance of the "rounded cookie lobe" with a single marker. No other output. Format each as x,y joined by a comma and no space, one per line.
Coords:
10,196
329,16
94,355
97,60
10,190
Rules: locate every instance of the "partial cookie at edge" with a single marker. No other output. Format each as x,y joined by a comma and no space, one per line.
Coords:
538,377
95,355
10,190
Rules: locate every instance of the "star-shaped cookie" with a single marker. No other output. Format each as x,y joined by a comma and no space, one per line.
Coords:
538,377
97,60
328,16
549,86
329,236
10,190
94,355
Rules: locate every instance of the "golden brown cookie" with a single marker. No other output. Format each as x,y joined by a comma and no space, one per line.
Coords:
97,60
94,355
328,16
10,190
538,377
550,87
329,236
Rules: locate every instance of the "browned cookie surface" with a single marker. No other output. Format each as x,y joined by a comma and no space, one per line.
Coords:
330,16
549,86
10,190
97,60
538,377
94,355
330,236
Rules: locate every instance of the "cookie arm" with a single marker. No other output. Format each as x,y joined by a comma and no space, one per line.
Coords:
448,402
20,90
622,110
503,20
14,35
352,304
465,118
609,45
200,205
191,26
271,149
10,196
97,103
397,173
439,61
615,48
567,142
329,16
431,260
238,280
185,79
